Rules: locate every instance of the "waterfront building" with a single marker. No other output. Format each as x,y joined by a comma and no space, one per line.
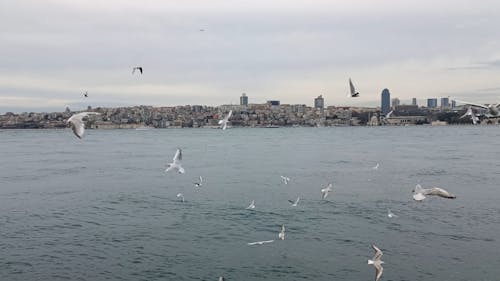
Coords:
244,99
414,101
319,102
273,102
386,101
453,103
395,102
445,103
432,103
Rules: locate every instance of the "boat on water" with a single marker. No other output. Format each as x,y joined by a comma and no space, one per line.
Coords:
144,128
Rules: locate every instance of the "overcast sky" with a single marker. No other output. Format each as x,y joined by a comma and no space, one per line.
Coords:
53,51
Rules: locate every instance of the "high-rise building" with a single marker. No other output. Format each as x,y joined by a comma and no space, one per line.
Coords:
395,102
319,102
243,99
432,103
445,102
414,101
386,101
453,103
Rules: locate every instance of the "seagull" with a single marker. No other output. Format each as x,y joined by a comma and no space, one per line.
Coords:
388,115
77,124
222,279
326,190
261,242
285,180
472,115
391,214
201,29
419,193
223,122
137,68
176,164
180,195
294,203
251,206
86,94
377,262
281,235
199,184
353,93
375,167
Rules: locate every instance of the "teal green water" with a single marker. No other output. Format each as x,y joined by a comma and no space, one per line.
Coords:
103,208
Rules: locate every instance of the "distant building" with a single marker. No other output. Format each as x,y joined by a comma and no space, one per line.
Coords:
386,101
432,103
445,102
395,102
243,99
319,102
273,102
453,103
414,101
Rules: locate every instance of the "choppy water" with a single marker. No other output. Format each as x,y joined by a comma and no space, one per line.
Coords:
103,208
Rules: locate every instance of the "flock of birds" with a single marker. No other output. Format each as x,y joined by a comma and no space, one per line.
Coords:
419,194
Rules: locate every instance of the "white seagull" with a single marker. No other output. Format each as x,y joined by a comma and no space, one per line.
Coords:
223,122
260,242
471,113
180,195
375,167
251,206
284,179
281,235
137,68
294,203
222,279
77,124
419,193
176,164
391,214
326,190
353,93
199,184
377,262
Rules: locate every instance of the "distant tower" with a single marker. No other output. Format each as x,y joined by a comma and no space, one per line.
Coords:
243,99
432,103
386,101
414,101
445,102
453,103
395,102
319,102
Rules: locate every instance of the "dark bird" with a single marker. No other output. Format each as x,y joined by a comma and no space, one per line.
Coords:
86,94
137,68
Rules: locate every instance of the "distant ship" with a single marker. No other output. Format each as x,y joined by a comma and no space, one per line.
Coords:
144,128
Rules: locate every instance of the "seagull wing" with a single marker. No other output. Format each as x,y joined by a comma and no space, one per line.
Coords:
378,253
78,127
178,155
228,115
378,271
439,192
140,69
351,86
473,104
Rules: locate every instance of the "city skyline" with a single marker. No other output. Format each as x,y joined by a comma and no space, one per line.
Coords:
288,51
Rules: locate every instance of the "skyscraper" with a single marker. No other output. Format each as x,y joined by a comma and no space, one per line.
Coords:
319,102
432,103
395,102
414,101
243,99
386,101
445,102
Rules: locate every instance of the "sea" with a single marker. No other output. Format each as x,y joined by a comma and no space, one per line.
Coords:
103,208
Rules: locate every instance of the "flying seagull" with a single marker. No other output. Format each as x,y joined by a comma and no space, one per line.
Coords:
377,262
137,68
223,122
176,164
294,203
86,94
199,184
391,214
285,180
281,235
251,206
419,193
180,195
471,113
326,190
260,242
353,93
375,167
77,124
